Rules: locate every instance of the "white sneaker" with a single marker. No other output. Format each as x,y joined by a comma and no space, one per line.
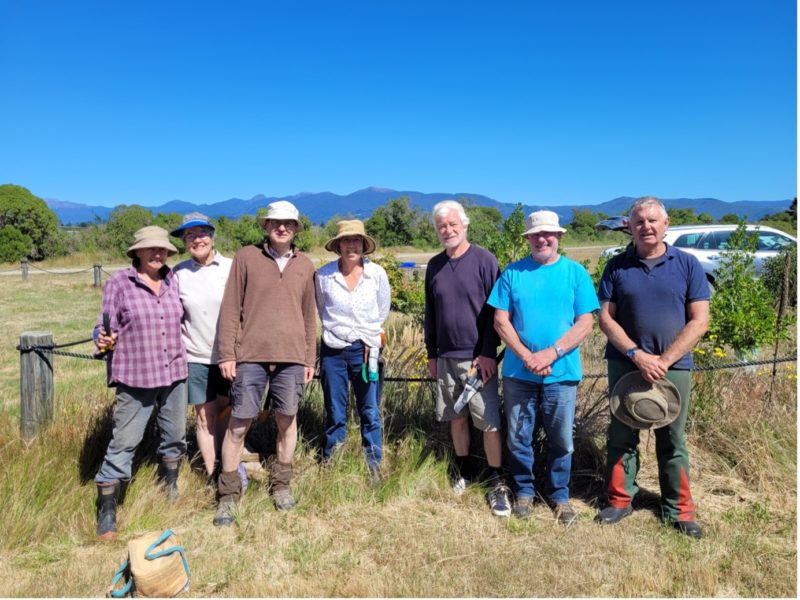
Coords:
459,485
499,497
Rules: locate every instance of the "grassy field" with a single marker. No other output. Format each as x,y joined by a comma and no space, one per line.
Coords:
410,537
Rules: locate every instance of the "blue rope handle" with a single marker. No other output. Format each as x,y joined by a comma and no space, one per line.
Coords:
150,554
125,589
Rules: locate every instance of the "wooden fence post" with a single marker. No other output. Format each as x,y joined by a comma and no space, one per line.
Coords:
36,383
23,266
97,270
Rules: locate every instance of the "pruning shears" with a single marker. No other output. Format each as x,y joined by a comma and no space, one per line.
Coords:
106,331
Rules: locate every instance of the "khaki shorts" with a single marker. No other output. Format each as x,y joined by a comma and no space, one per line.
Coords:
484,405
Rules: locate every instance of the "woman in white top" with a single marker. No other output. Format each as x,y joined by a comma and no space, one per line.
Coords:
202,282
353,299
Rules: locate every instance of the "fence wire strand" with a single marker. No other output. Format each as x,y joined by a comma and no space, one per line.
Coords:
59,272
732,365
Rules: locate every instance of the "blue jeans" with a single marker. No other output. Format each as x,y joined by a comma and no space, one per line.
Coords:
132,410
556,401
337,369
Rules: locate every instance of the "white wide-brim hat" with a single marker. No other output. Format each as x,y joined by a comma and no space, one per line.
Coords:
282,210
542,220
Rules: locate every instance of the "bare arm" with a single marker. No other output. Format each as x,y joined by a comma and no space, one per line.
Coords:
695,328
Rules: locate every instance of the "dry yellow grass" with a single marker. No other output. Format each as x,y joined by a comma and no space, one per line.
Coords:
411,537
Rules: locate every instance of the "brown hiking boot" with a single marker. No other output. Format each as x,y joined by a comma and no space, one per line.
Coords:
229,490
279,477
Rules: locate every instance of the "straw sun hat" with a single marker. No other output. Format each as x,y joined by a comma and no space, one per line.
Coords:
346,229
151,236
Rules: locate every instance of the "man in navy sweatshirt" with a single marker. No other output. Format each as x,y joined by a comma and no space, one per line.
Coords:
459,333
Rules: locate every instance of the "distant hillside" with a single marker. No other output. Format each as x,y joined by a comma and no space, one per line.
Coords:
321,206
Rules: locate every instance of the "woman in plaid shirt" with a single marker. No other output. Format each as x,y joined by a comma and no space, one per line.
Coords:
146,362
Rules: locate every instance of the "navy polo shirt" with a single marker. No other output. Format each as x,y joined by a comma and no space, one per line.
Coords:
651,303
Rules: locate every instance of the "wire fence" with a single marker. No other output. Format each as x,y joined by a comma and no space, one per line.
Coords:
27,268
55,349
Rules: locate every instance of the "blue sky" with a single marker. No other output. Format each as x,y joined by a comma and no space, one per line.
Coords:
144,102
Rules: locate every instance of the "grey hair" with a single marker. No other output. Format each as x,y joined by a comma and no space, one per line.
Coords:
646,202
443,208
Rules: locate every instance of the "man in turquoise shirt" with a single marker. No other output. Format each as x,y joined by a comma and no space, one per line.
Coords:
544,307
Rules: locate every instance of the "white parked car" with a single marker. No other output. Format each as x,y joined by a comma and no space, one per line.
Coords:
707,242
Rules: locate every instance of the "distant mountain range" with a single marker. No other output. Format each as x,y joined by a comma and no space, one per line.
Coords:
320,207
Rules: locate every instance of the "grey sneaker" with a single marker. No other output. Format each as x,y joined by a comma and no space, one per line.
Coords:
499,497
459,484
522,507
283,499
224,515
375,478
565,513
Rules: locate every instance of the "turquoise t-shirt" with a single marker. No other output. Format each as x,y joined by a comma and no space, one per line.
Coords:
544,301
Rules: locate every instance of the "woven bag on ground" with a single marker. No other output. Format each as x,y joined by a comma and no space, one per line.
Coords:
156,568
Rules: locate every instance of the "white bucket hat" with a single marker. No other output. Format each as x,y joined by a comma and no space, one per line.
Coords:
542,220
281,210
643,405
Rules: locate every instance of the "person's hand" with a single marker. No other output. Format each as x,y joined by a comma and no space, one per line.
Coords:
543,372
536,362
434,371
650,366
228,369
488,367
106,343
308,375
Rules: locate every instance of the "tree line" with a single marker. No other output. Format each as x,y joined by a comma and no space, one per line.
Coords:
29,228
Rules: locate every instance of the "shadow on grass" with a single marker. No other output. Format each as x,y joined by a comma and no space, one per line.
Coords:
407,409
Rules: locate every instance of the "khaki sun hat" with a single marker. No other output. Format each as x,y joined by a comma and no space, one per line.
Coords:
643,405
282,210
348,228
542,220
151,236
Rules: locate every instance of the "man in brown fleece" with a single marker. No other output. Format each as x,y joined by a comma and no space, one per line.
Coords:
267,337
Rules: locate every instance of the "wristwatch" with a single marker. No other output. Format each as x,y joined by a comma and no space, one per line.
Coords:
631,352
559,351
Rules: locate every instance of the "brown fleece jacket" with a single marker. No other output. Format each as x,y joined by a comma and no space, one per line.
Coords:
266,315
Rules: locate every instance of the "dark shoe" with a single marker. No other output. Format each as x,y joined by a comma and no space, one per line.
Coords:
168,475
689,528
499,497
522,507
610,515
107,497
565,513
